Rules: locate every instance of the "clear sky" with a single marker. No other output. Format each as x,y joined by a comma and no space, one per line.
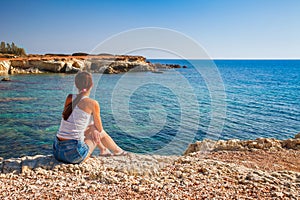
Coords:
225,28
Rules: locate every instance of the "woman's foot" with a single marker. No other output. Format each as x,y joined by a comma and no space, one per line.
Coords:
121,153
105,153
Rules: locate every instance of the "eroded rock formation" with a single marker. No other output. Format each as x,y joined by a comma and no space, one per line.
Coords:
108,64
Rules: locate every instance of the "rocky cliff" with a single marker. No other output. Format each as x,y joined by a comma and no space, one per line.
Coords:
108,64
4,66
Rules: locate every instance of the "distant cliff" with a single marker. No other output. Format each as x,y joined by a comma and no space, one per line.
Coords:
60,63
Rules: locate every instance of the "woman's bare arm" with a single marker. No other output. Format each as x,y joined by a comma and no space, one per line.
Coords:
97,118
97,122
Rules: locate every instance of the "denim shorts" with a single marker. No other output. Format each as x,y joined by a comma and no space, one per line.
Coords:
70,151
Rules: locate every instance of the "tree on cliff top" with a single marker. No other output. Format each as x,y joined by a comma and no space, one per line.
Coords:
11,49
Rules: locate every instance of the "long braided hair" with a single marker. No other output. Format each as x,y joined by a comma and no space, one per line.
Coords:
83,82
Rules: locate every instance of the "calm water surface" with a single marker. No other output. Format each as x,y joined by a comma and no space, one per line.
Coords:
145,112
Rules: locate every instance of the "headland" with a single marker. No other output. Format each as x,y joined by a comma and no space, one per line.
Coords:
62,63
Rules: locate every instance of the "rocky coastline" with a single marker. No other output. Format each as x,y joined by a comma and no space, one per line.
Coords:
57,63
253,169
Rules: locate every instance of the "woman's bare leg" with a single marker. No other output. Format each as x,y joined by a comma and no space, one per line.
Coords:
88,139
106,141
103,149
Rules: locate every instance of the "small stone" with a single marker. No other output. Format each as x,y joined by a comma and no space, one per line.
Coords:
178,174
277,194
141,189
254,177
25,169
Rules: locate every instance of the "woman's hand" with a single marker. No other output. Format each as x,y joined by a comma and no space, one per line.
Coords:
96,136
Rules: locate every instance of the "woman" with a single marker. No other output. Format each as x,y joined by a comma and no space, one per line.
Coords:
77,137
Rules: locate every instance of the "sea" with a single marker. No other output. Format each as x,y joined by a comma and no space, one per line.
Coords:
162,112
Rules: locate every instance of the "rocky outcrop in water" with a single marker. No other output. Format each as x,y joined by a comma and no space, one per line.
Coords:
5,79
56,63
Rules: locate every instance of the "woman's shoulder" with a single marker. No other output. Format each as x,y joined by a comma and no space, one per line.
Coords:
91,101
92,104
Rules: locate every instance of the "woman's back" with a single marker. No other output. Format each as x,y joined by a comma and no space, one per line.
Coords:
75,125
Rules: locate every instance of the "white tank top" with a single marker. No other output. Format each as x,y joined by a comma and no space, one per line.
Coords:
73,128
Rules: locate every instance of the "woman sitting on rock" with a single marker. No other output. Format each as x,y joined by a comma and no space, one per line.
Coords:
77,137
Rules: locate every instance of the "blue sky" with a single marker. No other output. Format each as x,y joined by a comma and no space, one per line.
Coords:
224,28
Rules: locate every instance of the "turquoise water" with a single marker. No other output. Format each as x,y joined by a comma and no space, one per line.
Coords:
145,112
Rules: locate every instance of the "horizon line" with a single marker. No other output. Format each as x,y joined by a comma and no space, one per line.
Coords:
216,58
